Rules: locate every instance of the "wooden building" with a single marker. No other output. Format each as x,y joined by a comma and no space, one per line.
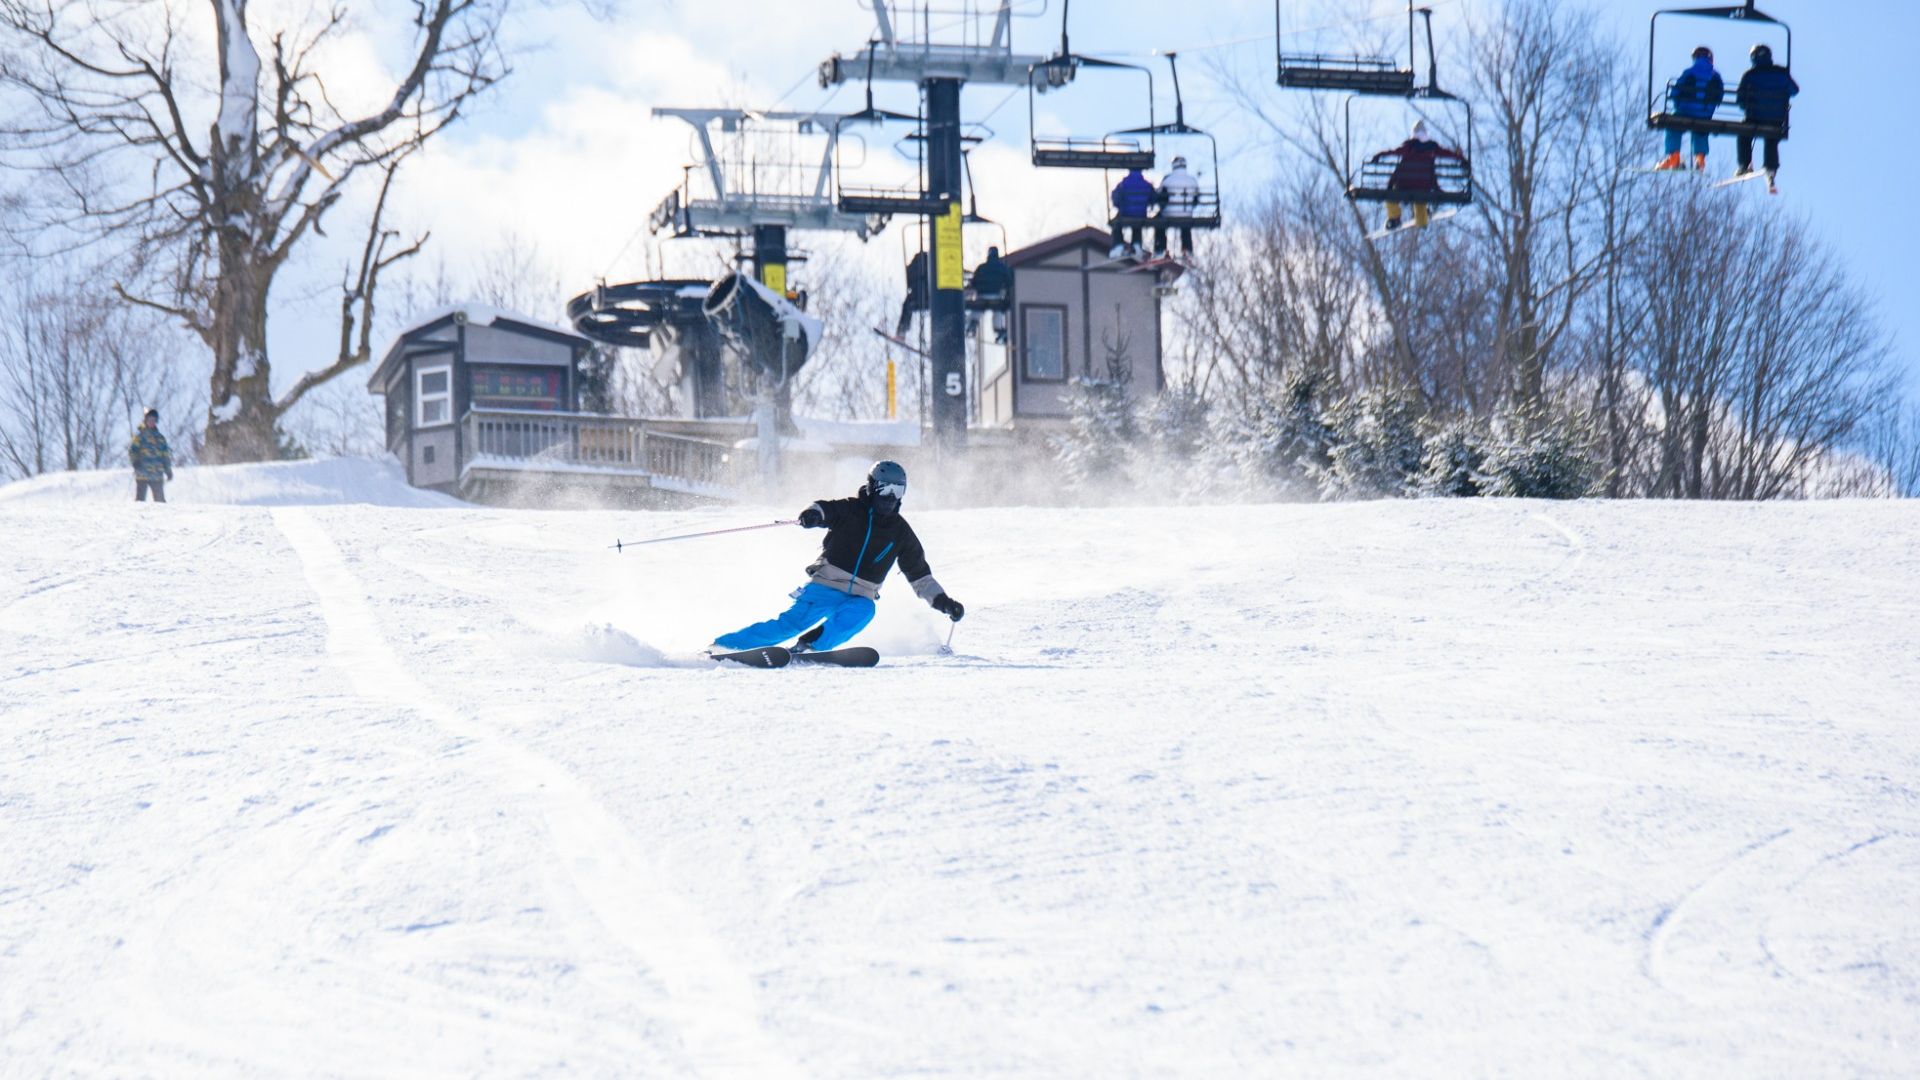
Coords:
1071,312
486,405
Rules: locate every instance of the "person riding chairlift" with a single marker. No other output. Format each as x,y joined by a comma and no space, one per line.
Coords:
1417,171
1764,93
1179,197
992,282
1695,95
1133,196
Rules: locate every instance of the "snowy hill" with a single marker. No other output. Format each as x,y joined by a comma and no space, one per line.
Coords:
322,482
1417,788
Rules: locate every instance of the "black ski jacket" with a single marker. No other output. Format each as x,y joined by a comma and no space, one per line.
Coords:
862,545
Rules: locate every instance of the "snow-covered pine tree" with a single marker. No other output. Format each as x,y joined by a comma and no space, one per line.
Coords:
1454,464
1103,429
1544,455
1378,445
1176,434
1281,439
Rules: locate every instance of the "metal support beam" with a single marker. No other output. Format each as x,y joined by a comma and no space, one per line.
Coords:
947,259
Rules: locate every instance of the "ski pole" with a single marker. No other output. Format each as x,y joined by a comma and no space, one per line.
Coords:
947,649
619,545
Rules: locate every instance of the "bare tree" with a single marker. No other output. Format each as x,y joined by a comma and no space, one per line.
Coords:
76,371
208,219
1545,75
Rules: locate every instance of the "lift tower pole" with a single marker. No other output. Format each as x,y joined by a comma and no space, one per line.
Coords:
947,256
975,46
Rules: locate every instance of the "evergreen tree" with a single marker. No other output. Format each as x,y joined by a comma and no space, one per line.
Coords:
1377,446
1455,461
1283,438
1103,428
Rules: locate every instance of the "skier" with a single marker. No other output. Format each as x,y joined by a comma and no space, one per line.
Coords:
1416,171
1694,95
1132,197
866,535
152,459
1764,93
1179,197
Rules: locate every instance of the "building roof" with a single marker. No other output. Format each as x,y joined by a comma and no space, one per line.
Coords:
1084,236
475,314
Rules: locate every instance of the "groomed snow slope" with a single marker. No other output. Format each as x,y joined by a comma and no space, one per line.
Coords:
1414,788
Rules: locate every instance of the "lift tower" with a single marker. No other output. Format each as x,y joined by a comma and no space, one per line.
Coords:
941,45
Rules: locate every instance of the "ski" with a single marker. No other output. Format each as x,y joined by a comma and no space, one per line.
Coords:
1740,178
773,656
1384,233
857,656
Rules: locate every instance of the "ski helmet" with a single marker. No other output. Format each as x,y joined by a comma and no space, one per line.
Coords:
1179,162
1761,54
1703,53
887,481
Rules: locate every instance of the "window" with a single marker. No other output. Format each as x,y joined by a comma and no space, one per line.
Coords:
433,389
1043,342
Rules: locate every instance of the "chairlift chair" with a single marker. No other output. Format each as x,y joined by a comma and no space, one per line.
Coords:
1377,75
1370,178
1662,112
1112,151
1205,211
880,200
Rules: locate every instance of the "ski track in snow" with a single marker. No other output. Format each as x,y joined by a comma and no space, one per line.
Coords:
1436,788
713,998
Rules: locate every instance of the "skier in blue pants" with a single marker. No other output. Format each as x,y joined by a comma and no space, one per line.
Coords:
866,536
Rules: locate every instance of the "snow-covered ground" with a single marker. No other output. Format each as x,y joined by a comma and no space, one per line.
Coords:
1464,788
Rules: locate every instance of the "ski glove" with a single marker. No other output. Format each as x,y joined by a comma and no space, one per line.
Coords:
813,517
948,606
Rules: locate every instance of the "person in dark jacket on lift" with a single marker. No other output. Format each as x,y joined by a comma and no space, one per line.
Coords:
1764,93
1695,95
1417,170
1132,197
866,536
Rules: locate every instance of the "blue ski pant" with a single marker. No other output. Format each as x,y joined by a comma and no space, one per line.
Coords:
1700,142
845,615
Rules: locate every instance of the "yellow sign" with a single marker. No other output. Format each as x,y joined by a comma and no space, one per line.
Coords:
949,271
774,276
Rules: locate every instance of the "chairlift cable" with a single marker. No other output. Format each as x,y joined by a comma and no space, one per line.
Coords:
1155,54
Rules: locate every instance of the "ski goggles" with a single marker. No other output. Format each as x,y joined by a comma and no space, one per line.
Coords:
891,491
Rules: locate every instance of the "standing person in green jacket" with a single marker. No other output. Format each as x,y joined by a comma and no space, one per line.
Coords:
152,459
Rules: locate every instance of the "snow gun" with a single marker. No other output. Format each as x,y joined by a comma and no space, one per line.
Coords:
619,545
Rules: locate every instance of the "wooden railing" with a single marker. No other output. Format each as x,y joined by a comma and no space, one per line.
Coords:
531,439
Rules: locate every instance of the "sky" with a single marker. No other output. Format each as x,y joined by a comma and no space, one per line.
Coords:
566,156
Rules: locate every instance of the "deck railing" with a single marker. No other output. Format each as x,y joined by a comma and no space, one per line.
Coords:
531,439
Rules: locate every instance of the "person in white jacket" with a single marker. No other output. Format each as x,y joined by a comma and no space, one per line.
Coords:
1179,197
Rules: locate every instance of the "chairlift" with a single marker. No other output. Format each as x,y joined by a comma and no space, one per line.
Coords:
1389,177
1376,75
913,241
1378,178
1662,108
1204,211
1110,151
1074,151
881,200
